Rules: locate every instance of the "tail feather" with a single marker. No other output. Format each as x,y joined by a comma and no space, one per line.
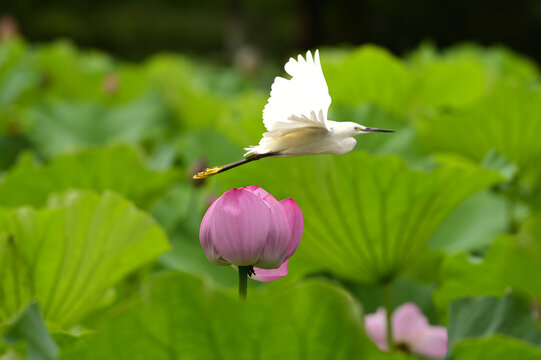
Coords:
218,169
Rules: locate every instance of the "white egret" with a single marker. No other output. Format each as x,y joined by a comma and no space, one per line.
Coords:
296,119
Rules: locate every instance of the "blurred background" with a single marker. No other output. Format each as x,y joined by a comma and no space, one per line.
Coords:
106,106
225,30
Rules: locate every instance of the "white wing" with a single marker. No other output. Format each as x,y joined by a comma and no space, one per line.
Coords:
305,96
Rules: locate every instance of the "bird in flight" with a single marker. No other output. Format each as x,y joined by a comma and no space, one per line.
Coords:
296,119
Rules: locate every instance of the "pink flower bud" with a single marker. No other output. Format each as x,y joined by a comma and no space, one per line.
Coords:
411,331
248,226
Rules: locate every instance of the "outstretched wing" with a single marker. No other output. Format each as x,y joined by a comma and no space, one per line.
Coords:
300,98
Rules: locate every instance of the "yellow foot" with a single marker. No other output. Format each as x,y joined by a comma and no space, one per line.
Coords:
207,172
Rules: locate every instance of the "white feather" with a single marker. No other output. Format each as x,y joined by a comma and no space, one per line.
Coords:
304,93
295,105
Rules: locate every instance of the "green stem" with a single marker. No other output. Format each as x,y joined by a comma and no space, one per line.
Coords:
388,310
243,281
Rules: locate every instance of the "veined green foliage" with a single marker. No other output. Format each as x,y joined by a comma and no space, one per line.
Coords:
68,254
180,316
117,167
369,74
367,218
508,264
507,121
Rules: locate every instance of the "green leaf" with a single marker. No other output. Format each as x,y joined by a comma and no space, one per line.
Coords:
12,55
17,77
117,167
58,126
498,61
452,83
67,255
18,87
366,218
473,224
506,121
485,316
369,74
60,62
495,347
28,326
509,263
185,91
180,316
99,77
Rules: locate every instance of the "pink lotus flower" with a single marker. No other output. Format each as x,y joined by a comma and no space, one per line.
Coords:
411,331
249,227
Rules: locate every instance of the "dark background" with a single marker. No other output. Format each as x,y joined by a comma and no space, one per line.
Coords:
276,28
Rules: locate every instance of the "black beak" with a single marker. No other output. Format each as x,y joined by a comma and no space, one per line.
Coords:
369,129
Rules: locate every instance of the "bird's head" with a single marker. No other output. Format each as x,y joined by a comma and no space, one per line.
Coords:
353,129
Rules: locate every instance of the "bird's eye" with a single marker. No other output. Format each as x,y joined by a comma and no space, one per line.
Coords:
357,128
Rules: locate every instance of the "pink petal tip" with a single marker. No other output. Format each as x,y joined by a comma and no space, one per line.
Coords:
267,275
